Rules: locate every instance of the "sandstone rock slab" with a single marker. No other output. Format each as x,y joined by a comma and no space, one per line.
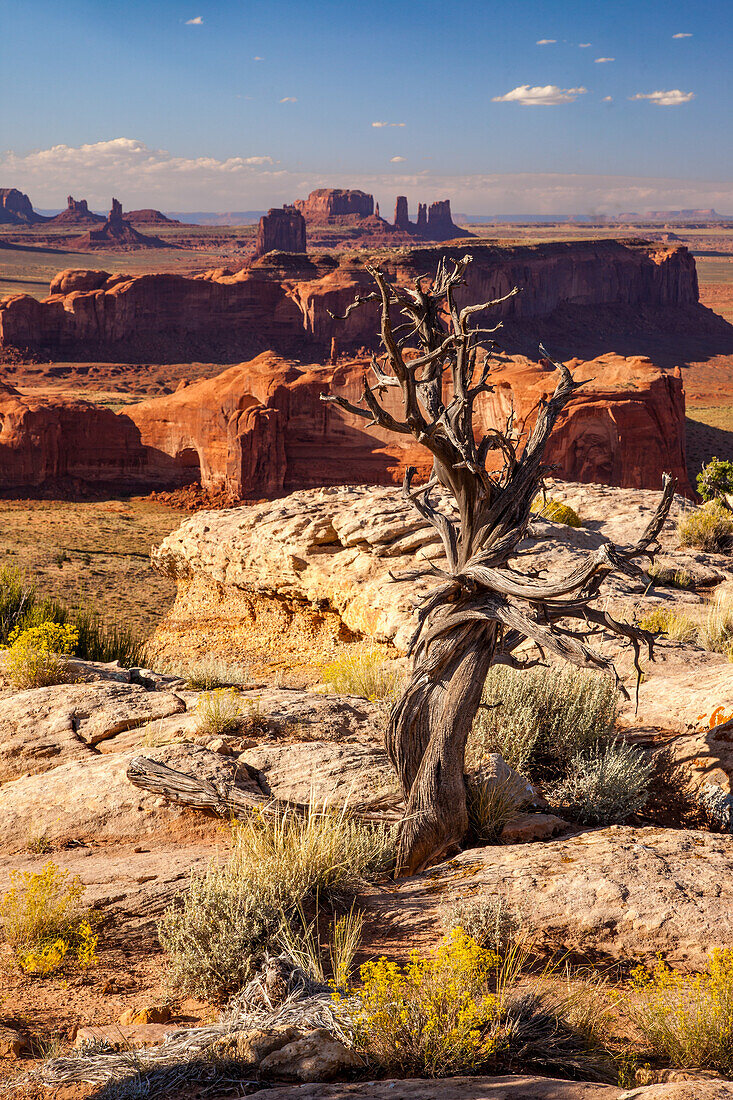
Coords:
453,1088
42,728
317,1056
91,800
612,893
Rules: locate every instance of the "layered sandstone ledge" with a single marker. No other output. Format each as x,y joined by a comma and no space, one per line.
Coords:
285,584
286,302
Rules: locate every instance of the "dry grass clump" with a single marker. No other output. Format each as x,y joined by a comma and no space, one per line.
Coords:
606,784
43,921
688,1021
556,510
492,802
714,631
669,577
709,527
230,915
208,673
536,719
323,852
488,920
303,945
218,712
363,671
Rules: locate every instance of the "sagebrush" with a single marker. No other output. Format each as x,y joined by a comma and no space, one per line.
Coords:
709,527
536,719
606,784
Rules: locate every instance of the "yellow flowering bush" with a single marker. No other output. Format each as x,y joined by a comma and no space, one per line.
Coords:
688,1020
556,510
42,920
433,1017
34,656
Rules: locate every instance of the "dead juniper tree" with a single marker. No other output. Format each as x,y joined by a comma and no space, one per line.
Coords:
482,609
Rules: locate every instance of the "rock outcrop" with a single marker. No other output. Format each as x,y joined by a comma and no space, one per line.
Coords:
287,303
281,229
77,212
260,428
116,233
16,208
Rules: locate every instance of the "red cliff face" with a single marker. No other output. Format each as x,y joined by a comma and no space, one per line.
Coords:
286,304
281,230
16,208
260,428
44,442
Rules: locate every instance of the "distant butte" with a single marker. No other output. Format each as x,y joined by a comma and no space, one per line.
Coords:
355,214
116,233
149,217
77,212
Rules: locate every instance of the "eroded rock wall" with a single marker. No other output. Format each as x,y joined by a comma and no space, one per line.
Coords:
286,303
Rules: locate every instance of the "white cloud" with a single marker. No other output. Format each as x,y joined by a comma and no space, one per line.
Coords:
396,160
256,58
142,176
546,41
289,99
381,125
682,35
607,99
585,45
197,22
672,98
603,60
548,96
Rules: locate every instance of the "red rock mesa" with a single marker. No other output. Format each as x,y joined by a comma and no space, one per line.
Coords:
77,212
281,229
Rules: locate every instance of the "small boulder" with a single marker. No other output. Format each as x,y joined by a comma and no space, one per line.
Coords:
251,1047
318,1056
528,827
151,1015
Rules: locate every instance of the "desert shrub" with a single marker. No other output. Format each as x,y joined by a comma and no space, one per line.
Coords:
216,938
431,1018
489,920
556,510
100,640
606,784
43,921
537,718
675,624
17,596
461,1010
218,712
230,915
362,671
709,527
688,1021
716,630
491,802
35,655
715,480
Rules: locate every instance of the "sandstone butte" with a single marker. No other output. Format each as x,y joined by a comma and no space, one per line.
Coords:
284,302
260,429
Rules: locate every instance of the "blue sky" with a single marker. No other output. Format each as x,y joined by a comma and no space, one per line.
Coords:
225,104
